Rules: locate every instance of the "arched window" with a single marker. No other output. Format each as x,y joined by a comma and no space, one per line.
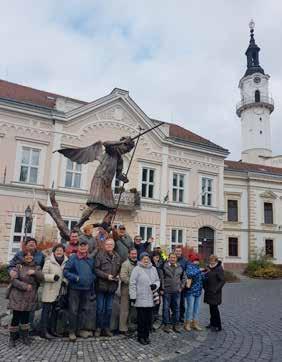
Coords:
257,96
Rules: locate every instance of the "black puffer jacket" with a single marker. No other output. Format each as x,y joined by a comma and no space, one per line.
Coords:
213,284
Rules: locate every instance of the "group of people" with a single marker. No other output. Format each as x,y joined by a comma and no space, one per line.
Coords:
87,269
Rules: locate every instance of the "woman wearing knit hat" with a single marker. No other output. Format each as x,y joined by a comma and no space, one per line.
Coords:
144,281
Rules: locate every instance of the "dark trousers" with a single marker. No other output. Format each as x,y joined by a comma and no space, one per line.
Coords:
182,306
215,320
78,306
104,306
144,322
171,303
20,317
48,317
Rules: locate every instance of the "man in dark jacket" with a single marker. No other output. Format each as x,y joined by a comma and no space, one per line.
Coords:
30,245
123,242
213,284
183,262
107,268
79,271
173,279
142,247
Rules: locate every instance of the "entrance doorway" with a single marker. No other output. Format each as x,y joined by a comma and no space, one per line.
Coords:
206,242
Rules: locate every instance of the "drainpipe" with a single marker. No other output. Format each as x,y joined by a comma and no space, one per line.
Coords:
249,216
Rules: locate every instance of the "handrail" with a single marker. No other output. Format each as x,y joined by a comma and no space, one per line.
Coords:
246,102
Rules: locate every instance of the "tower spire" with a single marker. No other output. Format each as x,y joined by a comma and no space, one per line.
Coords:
252,54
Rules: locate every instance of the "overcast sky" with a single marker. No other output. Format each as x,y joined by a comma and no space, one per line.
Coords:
181,60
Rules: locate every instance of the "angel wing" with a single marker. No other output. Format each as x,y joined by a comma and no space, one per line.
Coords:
84,154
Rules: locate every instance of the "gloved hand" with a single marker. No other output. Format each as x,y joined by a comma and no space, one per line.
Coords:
56,277
153,286
132,301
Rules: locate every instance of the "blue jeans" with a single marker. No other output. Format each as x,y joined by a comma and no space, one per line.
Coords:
192,308
171,301
104,305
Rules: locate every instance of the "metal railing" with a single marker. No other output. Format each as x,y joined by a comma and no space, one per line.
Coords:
247,102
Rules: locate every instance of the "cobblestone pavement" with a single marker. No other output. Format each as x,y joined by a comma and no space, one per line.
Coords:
252,322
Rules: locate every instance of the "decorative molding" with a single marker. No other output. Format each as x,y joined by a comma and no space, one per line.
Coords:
269,195
32,140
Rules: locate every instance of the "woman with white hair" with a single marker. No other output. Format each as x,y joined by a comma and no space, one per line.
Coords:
144,280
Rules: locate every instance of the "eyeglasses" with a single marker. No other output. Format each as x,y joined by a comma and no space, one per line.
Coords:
121,228
138,239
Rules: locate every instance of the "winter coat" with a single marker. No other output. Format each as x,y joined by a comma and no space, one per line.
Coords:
183,262
213,284
193,272
141,248
106,265
125,272
20,298
173,278
80,273
139,286
38,259
123,245
91,241
51,288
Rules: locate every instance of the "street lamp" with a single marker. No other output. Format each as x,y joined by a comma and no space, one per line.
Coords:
28,219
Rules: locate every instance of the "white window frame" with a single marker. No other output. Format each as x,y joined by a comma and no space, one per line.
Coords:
206,193
41,164
185,188
177,237
73,172
146,230
147,182
83,185
12,233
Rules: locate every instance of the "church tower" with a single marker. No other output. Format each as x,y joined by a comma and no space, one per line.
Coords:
255,108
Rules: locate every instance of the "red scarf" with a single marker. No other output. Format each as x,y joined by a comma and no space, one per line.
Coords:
81,255
71,249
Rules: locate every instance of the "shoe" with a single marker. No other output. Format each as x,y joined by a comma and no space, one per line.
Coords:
97,332
46,335
108,333
217,329
176,328
83,334
166,328
12,339
196,326
72,337
90,333
25,338
187,326
147,340
126,333
142,341
55,334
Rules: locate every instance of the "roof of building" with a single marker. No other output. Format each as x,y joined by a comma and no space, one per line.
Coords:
32,96
184,134
252,167
21,93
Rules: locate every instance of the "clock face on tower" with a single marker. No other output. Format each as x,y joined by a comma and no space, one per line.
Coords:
257,80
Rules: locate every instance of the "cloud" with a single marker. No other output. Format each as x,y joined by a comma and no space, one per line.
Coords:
181,60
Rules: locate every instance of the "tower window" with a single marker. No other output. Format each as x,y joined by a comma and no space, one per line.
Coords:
260,118
260,132
257,96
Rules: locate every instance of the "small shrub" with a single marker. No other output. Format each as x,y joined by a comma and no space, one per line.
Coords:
270,272
4,275
230,277
262,267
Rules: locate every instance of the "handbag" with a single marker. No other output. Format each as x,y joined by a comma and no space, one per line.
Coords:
61,301
188,283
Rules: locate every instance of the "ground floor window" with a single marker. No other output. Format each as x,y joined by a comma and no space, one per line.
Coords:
145,232
269,250
70,223
176,237
232,246
22,227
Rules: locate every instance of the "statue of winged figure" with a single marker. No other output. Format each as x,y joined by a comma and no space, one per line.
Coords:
109,154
